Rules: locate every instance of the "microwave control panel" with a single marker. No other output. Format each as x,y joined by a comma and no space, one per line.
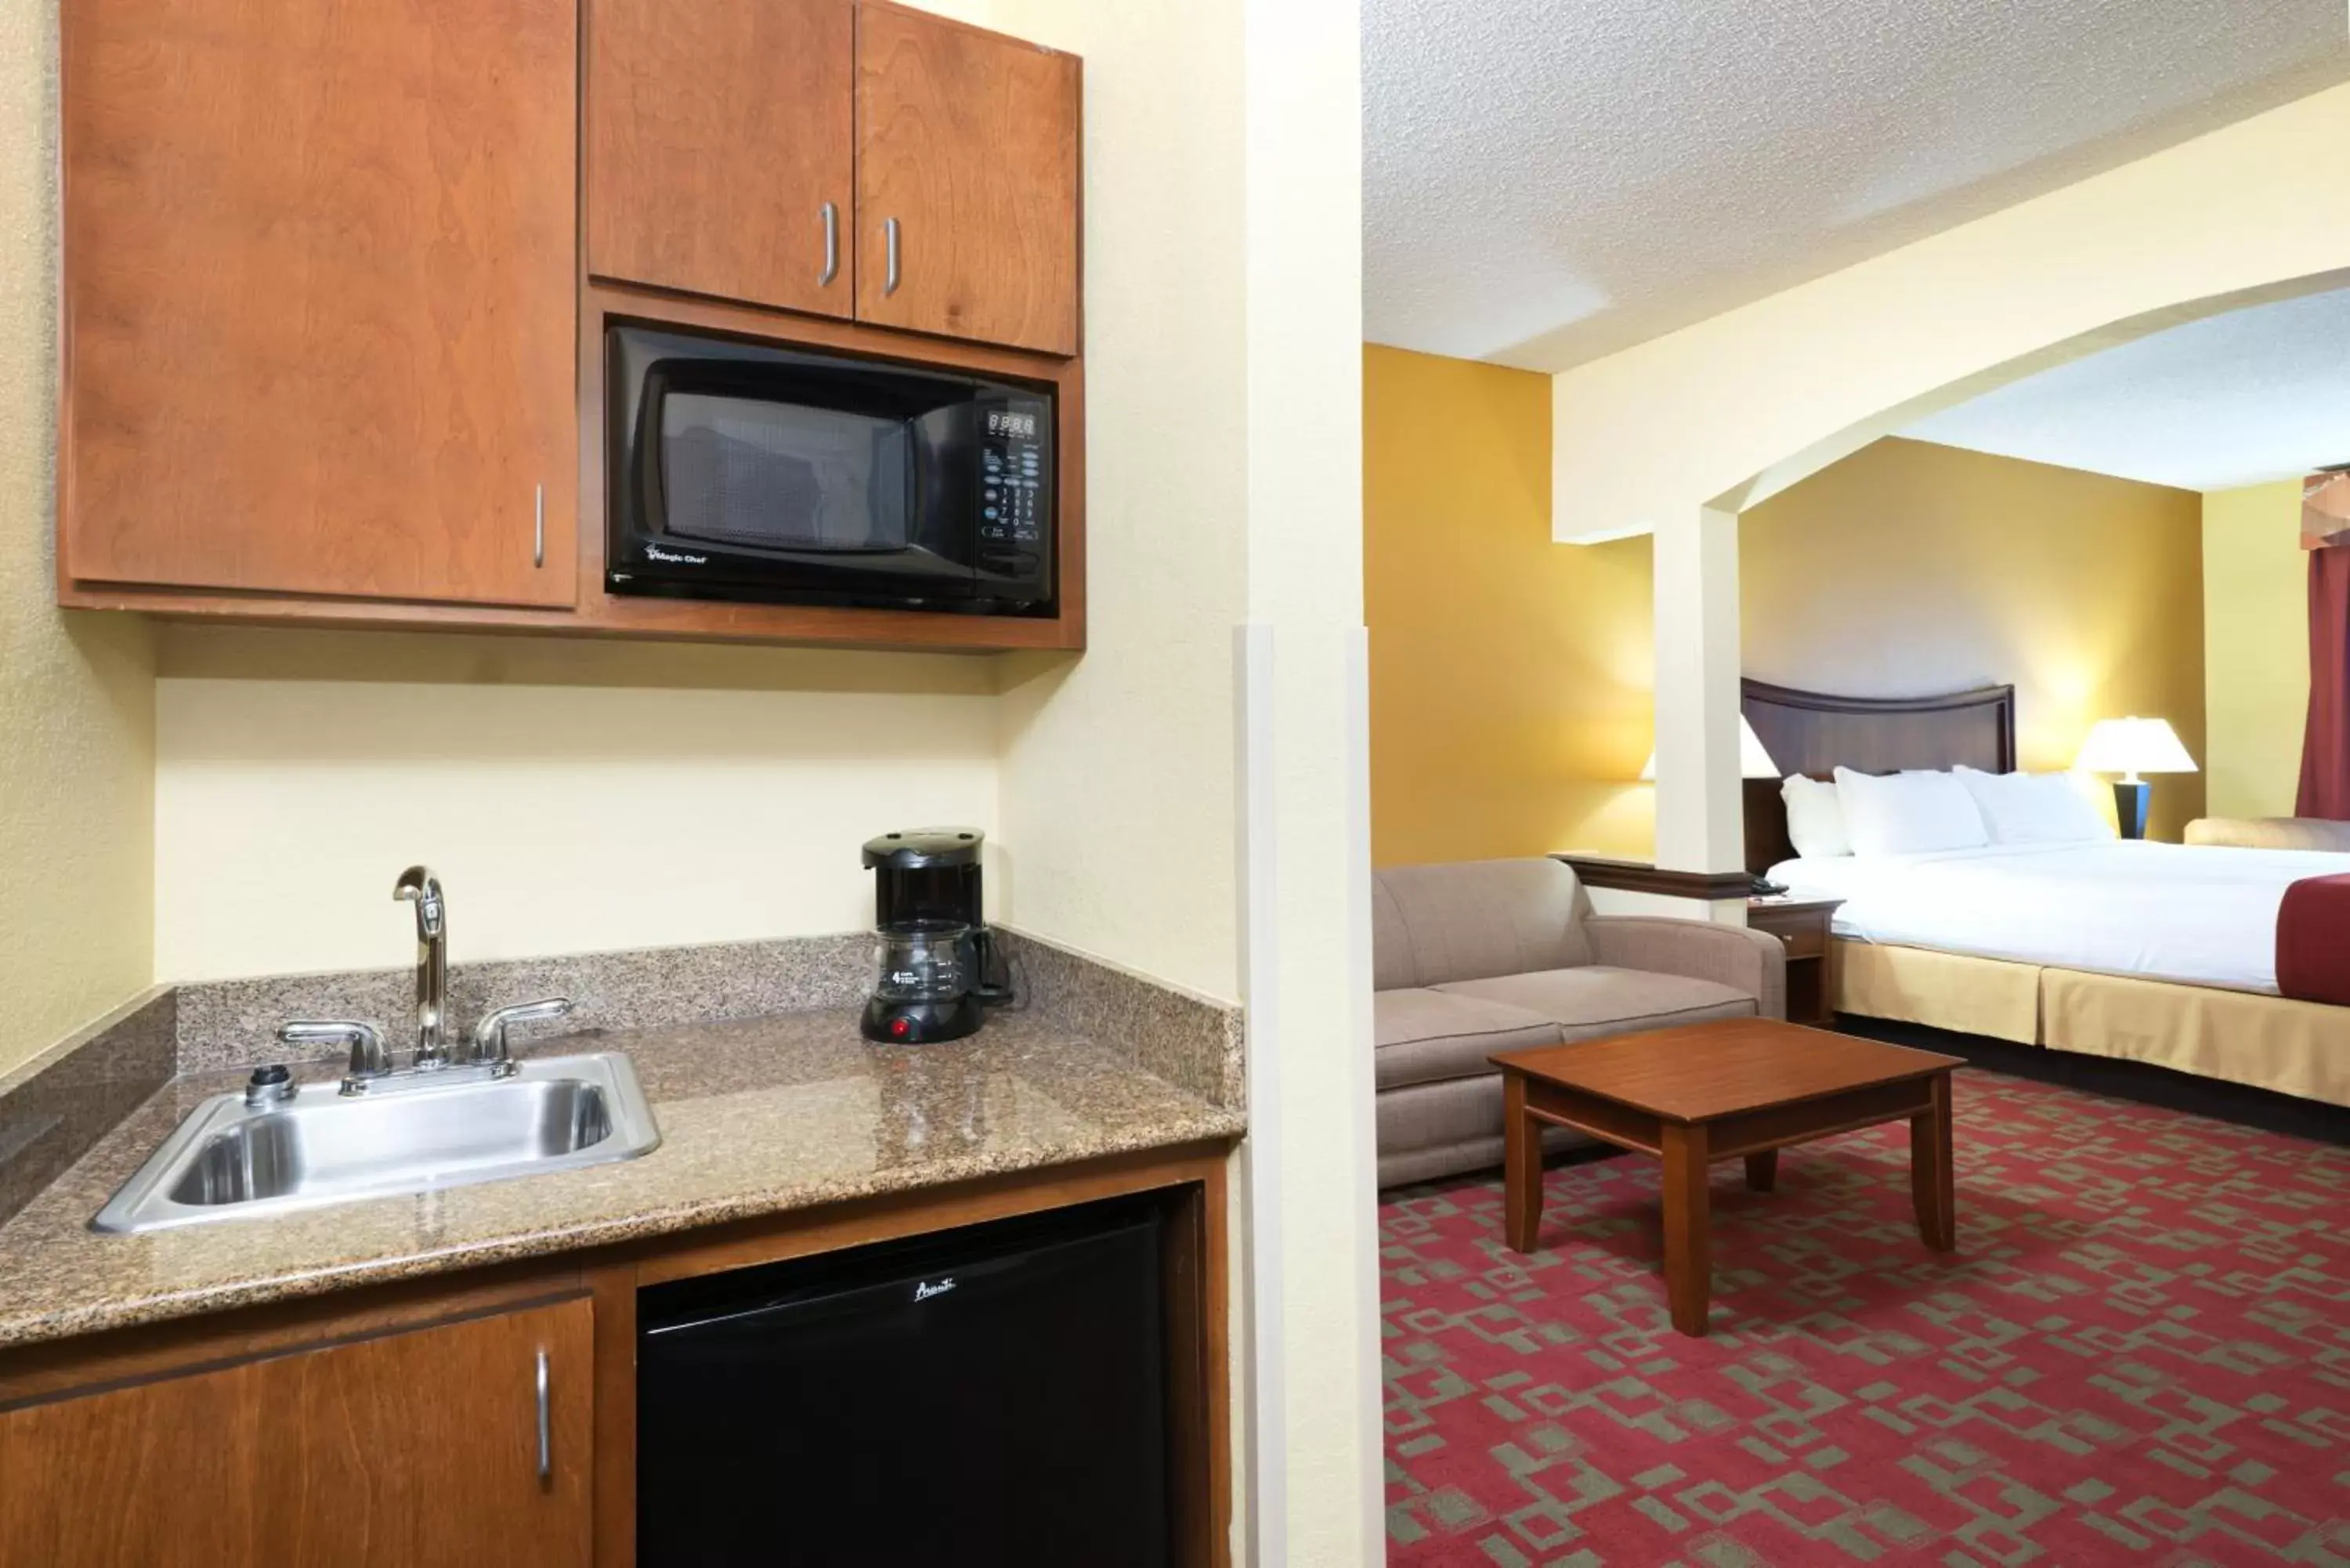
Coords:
1014,516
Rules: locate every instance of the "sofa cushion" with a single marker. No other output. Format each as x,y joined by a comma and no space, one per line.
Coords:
1474,918
1425,1036
1592,1000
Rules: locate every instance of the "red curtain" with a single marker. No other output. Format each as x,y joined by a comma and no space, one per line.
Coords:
2325,745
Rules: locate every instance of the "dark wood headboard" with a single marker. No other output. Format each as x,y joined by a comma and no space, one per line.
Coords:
1816,734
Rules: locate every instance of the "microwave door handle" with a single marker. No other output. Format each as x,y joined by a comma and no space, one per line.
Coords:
831,247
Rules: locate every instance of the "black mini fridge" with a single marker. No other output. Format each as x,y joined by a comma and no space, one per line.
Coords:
992,1395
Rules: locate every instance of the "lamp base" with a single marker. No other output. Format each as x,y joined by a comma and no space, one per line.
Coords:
2130,802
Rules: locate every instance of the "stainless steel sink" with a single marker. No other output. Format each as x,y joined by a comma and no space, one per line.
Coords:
231,1160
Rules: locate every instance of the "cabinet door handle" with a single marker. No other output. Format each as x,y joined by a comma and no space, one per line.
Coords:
545,1427
831,246
889,284
539,525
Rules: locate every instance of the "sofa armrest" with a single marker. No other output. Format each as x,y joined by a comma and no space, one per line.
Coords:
1752,962
2269,833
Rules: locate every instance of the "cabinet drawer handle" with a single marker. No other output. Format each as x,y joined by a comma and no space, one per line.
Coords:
831,246
545,1427
890,285
539,525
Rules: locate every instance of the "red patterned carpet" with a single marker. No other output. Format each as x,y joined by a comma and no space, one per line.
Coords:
2139,1354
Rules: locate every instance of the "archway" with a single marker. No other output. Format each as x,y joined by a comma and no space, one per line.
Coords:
1676,436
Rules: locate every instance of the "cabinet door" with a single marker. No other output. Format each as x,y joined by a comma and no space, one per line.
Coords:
418,1448
719,139
319,297
966,142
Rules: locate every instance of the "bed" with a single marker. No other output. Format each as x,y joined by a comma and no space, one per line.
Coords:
2151,952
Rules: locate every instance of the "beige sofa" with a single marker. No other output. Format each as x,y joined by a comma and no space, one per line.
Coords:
1498,955
2271,833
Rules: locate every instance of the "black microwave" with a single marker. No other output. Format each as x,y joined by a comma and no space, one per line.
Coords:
749,471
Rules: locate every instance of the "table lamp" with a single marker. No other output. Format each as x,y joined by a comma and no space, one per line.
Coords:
2130,747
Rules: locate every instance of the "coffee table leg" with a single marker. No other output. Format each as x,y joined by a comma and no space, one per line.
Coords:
1932,1179
1521,1187
1762,1171
1688,1243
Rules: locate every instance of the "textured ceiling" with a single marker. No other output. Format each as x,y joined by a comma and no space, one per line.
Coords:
2257,394
1548,180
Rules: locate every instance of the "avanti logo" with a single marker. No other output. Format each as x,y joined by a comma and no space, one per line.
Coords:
924,1289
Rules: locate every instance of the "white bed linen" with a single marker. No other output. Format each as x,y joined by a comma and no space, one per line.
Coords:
2198,913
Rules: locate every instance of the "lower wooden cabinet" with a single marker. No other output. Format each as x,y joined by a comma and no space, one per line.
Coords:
399,1426
415,1447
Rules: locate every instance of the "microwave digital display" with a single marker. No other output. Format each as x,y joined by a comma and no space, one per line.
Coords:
750,471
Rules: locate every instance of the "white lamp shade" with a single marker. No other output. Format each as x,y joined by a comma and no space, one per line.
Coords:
2133,746
1753,761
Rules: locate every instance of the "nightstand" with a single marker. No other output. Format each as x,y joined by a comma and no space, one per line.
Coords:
1803,925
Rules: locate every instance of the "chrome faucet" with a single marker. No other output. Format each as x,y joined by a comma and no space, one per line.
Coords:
439,1057
417,885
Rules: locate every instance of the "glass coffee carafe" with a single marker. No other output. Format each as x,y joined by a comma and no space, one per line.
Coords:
922,961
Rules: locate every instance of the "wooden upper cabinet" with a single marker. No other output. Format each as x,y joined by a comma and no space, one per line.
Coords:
720,148
967,142
416,1448
319,285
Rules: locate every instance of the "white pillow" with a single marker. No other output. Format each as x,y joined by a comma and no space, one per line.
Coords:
2034,808
1908,814
1815,818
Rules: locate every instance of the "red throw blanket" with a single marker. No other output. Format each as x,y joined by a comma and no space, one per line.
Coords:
2313,940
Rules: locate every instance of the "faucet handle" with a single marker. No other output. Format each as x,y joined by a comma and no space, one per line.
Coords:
490,1033
369,1059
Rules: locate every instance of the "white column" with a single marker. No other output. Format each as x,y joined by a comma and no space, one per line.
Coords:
1318,1487
1700,817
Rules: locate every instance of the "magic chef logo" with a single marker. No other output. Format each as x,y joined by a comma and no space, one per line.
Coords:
655,553
924,1289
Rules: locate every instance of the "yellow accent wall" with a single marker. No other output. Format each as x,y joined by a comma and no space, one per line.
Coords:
1510,676
2255,648
1909,568
76,710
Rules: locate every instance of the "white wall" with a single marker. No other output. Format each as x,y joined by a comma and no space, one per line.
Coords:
1312,977
1118,767
75,691
1223,439
573,797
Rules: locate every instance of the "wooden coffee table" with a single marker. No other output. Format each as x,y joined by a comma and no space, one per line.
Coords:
1705,1092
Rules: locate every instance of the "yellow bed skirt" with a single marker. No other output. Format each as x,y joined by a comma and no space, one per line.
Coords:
1942,991
2267,1042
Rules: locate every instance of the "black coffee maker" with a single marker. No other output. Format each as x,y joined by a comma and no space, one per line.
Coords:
934,961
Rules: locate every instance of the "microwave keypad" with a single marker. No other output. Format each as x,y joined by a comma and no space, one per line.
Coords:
1012,510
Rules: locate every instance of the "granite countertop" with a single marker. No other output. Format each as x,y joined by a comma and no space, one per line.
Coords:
757,1116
